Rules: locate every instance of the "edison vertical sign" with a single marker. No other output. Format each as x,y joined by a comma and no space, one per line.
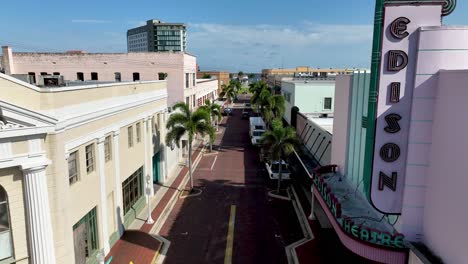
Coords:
394,98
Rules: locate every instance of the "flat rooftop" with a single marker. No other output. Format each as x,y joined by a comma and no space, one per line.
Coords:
324,122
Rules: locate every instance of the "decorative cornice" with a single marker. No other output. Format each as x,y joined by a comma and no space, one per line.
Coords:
447,5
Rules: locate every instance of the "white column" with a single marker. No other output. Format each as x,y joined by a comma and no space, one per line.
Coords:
118,182
148,154
102,184
41,239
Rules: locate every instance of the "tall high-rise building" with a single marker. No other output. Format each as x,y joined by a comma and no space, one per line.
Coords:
157,35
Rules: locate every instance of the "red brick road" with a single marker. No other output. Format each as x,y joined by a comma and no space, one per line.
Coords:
197,227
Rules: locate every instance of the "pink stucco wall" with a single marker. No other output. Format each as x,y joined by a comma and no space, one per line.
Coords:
446,210
148,64
343,88
440,47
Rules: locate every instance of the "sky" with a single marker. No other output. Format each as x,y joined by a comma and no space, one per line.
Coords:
246,35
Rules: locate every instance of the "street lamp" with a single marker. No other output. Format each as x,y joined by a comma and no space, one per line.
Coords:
100,257
148,192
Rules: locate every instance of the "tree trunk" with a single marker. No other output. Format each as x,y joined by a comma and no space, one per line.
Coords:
279,176
190,165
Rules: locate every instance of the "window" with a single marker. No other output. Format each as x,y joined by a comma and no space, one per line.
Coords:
6,250
73,167
94,76
32,77
327,104
130,136
43,73
138,132
132,189
187,81
136,76
117,77
80,76
187,101
194,79
162,76
89,158
85,234
56,73
107,148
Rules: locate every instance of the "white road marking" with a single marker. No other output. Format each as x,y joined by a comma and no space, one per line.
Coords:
214,161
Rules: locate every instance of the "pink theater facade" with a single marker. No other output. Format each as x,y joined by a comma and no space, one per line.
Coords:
178,68
404,149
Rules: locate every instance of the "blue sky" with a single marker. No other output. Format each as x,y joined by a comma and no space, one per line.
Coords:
237,35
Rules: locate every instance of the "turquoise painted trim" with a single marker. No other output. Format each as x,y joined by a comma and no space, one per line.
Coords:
428,50
131,215
417,165
416,186
419,143
372,102
421,121
113,238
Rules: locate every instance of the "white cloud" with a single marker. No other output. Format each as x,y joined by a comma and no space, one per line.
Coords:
257,46
91,21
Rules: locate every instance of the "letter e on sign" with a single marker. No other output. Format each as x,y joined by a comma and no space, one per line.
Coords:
399,26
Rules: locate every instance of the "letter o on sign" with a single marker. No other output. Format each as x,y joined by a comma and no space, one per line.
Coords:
390,152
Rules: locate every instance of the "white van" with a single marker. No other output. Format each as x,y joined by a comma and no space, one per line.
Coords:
257,128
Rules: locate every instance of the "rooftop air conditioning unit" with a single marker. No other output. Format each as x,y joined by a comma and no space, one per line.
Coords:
51,80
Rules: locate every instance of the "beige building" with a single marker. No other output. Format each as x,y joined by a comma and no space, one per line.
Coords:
74,164
274,77
221,76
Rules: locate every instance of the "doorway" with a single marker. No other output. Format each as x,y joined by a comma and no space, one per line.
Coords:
156,167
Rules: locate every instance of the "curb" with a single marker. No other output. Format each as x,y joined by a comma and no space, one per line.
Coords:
304,222
161,255
271,194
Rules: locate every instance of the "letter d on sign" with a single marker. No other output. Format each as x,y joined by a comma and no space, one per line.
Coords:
397,60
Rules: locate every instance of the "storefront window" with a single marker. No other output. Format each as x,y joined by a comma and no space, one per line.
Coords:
132,189
85,235
5,229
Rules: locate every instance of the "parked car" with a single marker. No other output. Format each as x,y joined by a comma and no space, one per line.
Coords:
273,170
246,113
227,111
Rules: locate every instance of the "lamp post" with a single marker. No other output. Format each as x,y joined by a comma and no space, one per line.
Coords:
148,193
100,257
312,216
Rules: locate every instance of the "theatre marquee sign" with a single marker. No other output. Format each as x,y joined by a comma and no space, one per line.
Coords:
394,100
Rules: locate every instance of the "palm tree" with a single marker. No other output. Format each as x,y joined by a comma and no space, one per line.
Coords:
278,144
214,111
186,122
229,91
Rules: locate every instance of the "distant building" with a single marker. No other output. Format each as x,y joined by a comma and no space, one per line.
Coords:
273,76
221,76
312,97
157,36
177,68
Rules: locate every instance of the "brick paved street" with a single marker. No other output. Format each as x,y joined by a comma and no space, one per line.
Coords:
197,227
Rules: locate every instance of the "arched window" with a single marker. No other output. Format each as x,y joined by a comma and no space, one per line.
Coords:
5,228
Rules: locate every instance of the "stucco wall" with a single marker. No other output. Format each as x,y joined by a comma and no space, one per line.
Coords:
308,96
446,214
148,64
317,140
438,48
341,121
11,179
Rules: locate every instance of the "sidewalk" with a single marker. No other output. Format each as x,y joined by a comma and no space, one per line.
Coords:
139,246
